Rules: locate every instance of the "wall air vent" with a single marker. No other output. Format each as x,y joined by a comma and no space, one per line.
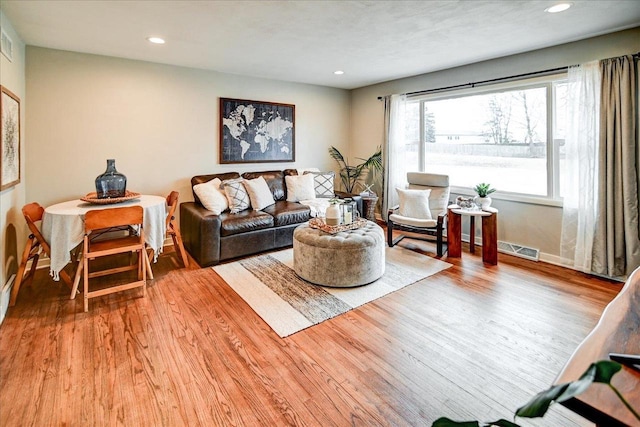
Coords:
519,251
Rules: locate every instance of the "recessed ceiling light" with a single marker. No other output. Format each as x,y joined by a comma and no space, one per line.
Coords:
338,73
156,40
560,7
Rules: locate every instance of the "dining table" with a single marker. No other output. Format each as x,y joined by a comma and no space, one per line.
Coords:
63,226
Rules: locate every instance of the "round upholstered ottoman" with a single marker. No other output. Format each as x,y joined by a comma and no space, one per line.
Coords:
345,259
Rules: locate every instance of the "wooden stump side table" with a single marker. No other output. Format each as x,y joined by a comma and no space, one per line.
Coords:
369,207
489,232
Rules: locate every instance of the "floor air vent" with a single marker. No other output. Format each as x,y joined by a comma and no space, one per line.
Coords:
517,250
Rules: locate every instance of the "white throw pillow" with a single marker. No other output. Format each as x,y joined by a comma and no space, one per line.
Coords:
323,182
237,195
300,187
414,203
259,193
212,196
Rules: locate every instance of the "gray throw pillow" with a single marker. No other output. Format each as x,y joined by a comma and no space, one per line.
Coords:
236,195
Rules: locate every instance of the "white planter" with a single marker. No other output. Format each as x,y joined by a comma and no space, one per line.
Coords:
482,202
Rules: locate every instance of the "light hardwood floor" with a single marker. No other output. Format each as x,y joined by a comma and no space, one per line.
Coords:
472,342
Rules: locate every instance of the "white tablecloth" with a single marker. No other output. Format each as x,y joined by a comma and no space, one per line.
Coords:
63,226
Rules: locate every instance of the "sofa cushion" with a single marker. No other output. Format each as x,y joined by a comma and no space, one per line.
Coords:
247,220
287,213
275,181
200,179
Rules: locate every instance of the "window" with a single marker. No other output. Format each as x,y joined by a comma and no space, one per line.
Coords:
511,136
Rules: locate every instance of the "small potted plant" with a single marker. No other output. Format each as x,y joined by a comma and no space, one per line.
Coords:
482,199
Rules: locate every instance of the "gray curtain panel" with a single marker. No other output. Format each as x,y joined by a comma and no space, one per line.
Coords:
616,246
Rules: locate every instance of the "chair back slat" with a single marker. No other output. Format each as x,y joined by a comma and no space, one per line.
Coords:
113,217
172,203
33,212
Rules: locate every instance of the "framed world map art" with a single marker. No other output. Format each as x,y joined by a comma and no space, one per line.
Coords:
256,131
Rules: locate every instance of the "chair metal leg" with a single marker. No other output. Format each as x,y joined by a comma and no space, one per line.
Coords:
439,242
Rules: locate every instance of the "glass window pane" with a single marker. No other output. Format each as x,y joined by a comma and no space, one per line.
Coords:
499,138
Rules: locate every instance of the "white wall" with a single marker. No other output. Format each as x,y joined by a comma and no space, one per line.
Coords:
526,224
159,122
12,227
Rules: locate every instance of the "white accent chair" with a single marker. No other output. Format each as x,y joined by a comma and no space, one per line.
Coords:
432,224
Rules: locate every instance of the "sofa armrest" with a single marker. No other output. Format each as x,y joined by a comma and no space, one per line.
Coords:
200,231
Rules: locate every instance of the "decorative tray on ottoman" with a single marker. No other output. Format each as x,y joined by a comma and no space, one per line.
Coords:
333,229
93,198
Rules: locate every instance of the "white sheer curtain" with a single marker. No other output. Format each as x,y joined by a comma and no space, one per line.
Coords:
581,169
393,150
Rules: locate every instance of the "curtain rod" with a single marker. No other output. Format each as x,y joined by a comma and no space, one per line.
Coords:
499,79
474,84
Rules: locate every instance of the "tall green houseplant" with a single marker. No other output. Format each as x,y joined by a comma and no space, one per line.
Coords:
351,175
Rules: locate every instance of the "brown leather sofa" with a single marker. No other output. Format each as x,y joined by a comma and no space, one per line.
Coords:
211,238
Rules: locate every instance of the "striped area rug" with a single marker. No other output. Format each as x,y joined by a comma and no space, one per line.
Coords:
290,304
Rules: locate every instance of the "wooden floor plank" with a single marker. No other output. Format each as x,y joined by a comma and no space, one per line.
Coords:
472,342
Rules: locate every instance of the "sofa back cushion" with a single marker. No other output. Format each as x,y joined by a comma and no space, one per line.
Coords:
199,179
275,181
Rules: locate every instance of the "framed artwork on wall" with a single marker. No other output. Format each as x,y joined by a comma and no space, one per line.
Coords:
9,139
256,131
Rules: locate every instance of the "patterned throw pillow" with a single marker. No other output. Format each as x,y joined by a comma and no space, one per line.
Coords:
323,183
236,195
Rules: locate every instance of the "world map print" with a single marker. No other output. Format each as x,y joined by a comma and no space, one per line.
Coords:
254,131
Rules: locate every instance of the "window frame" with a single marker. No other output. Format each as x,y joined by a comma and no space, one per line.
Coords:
550,81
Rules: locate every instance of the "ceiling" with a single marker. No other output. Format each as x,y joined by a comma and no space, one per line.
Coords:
306,41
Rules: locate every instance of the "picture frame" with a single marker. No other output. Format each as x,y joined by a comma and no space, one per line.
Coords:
6,45
256,131
9,139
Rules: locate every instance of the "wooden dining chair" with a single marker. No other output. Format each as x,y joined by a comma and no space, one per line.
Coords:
36,244
173,230
96,221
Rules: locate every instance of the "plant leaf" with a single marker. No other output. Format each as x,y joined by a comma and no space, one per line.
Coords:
605,370
539,404
336,155
600,372
446,422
